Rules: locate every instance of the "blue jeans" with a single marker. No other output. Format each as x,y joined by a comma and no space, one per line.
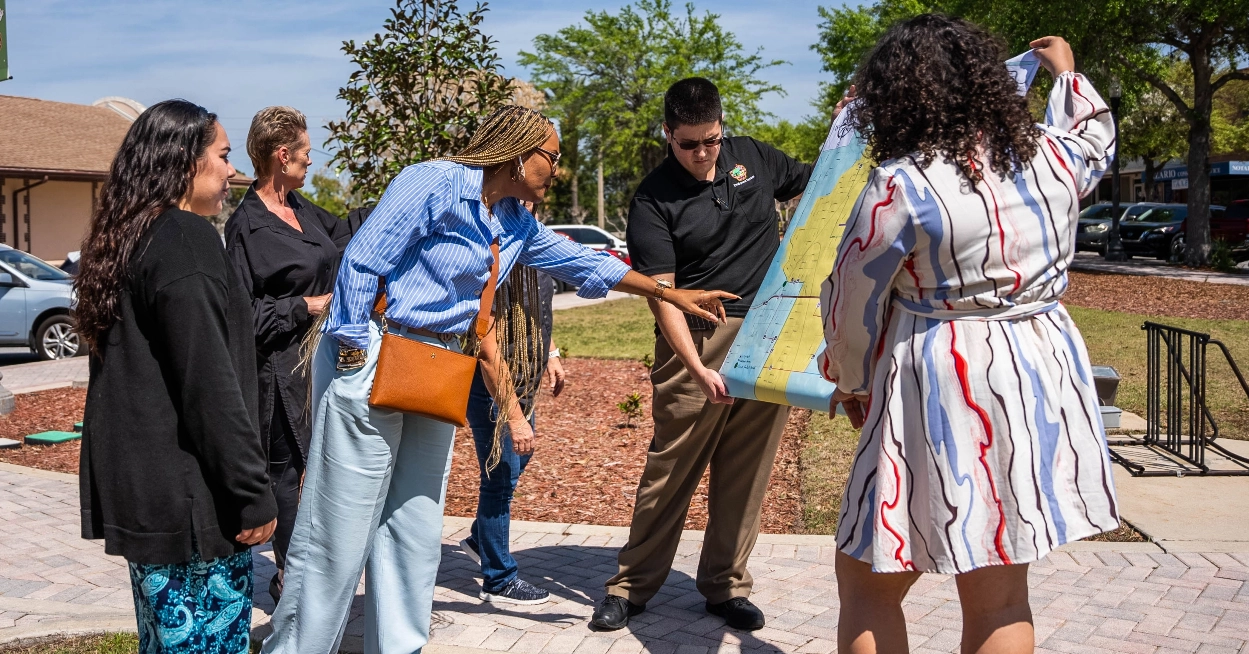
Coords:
492,527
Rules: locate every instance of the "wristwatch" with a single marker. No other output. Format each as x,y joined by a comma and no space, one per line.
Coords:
661,285
553,354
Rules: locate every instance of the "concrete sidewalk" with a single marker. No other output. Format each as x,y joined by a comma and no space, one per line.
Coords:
45,375
1128,597
1092,262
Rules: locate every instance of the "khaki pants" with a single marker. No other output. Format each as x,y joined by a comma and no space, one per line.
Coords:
738,441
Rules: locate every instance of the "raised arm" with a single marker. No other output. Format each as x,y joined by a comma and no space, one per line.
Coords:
1079,128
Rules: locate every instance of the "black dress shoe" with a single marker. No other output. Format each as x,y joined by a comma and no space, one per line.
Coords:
614,612
275,588
738,613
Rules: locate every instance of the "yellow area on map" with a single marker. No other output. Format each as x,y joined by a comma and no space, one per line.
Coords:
809,258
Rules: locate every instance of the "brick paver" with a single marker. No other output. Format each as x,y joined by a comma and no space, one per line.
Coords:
1124,598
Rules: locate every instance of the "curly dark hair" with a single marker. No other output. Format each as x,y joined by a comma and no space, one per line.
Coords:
151,172
936,85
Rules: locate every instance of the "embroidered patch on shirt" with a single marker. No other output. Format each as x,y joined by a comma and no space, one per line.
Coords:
738,173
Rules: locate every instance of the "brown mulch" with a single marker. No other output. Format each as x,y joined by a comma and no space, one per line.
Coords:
585,470
1154,295
54,410
587,463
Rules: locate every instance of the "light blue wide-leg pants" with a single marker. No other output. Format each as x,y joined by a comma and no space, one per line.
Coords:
373,494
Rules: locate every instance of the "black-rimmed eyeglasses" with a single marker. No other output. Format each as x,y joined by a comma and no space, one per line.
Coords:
553,156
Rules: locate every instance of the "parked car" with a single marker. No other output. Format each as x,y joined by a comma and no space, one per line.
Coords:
35,300
1154,232
1229,224
1093,226
592,237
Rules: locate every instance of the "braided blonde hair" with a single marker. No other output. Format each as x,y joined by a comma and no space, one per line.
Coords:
511,132
508,134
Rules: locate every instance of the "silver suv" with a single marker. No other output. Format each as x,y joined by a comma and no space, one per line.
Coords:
35,300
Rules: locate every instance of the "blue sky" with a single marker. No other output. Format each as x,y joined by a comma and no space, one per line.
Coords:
236,57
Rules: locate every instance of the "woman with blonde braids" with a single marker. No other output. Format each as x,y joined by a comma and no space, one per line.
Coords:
376,479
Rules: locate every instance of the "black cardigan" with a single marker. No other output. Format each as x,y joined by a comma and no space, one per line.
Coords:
171,456
280,267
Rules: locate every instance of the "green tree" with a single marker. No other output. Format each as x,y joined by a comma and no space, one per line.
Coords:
331,193
801,140
848,33
1212,36
421,88
605,79
1152,130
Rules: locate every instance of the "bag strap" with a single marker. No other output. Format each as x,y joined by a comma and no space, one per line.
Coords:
487,293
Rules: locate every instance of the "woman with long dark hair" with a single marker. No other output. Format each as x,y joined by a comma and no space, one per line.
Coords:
172,472
982,446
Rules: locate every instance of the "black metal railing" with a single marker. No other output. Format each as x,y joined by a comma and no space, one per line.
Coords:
1180,423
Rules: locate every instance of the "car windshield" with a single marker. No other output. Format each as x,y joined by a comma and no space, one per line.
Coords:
1162,215
1238,209
32,267
1097,212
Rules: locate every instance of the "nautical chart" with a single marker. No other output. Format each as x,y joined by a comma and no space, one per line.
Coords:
774,355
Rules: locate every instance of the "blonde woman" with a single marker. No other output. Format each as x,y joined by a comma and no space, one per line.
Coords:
376,479
286,251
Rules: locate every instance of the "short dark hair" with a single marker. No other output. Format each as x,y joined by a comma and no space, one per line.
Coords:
692,101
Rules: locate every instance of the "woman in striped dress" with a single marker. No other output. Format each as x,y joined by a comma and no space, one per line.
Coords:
982,446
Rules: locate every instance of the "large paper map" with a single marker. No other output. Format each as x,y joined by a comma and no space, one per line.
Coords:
774,355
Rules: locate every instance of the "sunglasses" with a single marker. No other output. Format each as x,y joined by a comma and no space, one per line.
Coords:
706,143
553,156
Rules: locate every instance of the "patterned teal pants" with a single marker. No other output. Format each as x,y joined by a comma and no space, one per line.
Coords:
198,606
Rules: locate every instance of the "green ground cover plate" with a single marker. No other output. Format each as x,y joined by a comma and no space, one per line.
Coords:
77,426
52,437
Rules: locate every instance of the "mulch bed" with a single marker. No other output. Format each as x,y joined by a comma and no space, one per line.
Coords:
585,470
1158,296
587,462
54,410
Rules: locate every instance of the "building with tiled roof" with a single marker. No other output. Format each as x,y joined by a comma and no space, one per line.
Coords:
53,157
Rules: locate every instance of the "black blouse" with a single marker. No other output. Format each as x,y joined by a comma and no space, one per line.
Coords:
280,267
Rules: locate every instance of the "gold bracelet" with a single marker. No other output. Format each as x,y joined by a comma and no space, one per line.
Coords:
661,285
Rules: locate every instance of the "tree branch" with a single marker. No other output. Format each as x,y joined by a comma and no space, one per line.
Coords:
1228,77
1159,84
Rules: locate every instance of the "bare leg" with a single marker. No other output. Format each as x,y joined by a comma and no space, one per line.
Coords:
997,618
871,617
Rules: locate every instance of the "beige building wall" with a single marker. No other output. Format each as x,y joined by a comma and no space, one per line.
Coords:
59,214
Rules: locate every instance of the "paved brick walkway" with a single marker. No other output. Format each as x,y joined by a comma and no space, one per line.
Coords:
43,375
1129,597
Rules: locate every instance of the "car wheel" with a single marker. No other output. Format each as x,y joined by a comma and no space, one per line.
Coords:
1178,246
56,339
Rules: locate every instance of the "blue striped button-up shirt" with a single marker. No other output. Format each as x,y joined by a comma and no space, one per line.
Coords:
430,236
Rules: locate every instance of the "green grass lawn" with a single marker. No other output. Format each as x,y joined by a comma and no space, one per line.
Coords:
1116,339
101,644
620,329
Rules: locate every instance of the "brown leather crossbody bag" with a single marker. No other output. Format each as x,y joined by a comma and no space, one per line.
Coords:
428,380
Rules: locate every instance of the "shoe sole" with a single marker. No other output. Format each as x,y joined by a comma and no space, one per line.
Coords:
500,599
469,551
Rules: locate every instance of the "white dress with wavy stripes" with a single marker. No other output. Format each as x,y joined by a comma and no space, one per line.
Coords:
983,443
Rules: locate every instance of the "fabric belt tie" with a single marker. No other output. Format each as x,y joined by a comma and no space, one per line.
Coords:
1011,312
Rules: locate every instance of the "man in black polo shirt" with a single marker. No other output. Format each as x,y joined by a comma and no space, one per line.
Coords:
704,218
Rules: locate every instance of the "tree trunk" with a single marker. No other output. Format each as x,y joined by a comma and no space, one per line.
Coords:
1151,170
578,216
1197,252
602,198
